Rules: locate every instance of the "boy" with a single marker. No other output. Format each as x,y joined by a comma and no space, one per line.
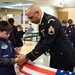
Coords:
7,52
64,25
19,38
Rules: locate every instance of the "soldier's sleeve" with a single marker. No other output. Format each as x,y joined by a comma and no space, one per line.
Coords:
51,33
7,61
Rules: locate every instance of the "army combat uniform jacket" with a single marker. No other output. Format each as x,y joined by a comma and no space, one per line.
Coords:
53,38
7,60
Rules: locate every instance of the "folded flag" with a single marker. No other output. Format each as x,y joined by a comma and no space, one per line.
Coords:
31,68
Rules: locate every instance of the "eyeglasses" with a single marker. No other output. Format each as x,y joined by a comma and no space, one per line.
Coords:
31,17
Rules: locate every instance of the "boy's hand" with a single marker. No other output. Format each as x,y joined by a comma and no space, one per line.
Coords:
16,60
22,59
16,55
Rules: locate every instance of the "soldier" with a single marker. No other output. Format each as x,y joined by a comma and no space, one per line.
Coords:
52,38
7,52
71,32
20,34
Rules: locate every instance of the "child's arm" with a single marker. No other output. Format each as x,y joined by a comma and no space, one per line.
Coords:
8,61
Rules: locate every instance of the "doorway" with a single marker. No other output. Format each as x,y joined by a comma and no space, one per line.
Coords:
6,16
62,16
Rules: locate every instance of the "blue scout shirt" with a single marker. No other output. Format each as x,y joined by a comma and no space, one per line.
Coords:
7,60
71,32
65,29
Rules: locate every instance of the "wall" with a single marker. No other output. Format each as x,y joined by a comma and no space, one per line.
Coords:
17,15
71,12
50,10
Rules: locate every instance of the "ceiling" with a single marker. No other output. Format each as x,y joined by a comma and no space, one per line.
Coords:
57,3
69,3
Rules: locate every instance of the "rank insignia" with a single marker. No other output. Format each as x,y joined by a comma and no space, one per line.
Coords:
51,30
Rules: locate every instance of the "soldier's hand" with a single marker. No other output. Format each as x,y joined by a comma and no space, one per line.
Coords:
21,59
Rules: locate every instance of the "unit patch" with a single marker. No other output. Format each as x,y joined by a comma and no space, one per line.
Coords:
4,46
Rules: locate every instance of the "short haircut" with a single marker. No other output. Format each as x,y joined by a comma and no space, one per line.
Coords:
5,26
11,20
64,21
70,21
19,26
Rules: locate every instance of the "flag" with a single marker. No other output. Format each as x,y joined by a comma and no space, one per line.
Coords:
31,68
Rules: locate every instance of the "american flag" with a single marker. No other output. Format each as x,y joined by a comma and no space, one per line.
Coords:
31,68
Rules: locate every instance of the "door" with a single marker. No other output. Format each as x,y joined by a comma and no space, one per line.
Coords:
62,16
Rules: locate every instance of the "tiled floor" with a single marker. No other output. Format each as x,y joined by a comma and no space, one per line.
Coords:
27,47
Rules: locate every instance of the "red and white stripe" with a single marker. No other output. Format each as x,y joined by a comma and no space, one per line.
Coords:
30,68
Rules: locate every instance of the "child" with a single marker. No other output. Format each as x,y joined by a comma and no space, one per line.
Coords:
30,29
7,52
19,38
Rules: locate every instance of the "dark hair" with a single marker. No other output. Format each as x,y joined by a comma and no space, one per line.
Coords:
5,26
19,26
64,21
11,20
70,21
